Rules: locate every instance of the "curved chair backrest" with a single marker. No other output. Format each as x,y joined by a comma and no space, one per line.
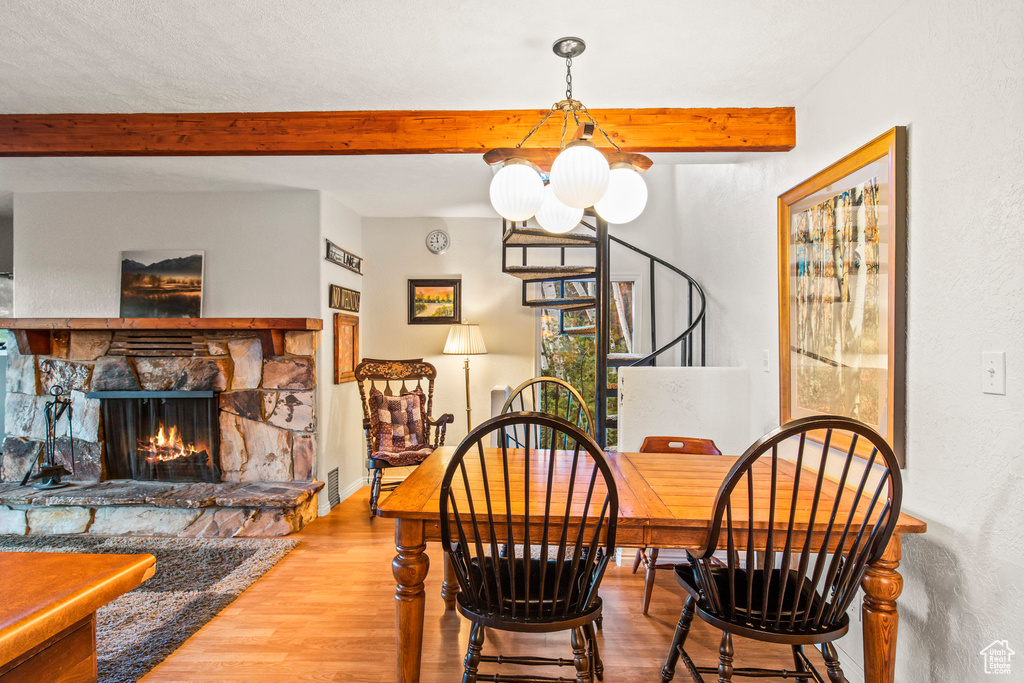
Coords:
401,375
679,444
788,470
551,396
529,531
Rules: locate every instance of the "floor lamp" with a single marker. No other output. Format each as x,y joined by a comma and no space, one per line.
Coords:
465,340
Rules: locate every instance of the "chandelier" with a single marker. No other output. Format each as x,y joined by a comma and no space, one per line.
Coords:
579,176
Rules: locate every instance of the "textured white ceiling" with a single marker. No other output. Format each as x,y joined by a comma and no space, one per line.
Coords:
253,55
274,55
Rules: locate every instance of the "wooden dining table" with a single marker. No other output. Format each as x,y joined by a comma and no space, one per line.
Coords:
665,501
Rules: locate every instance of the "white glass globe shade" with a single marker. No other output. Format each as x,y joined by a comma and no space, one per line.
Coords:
554,216
579,176
625,199
516,192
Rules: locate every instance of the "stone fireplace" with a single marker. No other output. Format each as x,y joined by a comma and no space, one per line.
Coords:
234,399
160,435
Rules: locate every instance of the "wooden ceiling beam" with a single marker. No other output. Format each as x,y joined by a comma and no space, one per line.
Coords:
385,132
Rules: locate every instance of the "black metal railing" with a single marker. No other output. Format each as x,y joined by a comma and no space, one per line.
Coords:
691,341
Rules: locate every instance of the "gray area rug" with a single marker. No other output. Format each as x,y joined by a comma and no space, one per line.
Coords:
195,579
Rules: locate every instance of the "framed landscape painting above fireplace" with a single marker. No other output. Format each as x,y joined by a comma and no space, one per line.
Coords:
161,284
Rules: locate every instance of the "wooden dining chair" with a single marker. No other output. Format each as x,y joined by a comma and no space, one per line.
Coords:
648,557
802,592
551,396
530,538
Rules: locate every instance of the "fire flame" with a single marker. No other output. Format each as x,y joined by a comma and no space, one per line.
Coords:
162,448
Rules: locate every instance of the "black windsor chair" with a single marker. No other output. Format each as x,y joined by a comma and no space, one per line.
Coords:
529,532
801,594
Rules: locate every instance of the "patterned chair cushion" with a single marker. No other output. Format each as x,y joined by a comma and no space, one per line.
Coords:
405,457
397,422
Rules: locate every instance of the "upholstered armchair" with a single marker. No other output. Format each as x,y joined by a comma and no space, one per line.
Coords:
400,431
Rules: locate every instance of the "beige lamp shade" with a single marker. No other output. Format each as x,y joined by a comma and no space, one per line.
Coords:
465,340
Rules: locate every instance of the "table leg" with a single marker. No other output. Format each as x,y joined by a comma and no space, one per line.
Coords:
410,570
450,587
882,584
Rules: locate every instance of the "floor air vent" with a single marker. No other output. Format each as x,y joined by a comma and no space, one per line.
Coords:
332,487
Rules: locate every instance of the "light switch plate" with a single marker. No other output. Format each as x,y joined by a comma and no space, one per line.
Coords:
993,372
766,361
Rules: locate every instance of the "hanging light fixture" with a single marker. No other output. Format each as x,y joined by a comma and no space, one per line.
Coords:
581,175
517,190
554,216
626,196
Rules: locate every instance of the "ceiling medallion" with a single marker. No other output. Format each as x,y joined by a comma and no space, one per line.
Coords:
579,175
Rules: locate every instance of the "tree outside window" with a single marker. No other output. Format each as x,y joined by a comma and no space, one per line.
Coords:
568,349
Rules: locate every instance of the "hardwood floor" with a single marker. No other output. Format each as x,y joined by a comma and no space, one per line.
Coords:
326,613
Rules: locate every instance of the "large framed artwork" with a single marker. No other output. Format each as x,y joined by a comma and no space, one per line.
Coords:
842,291
435,302
161,284
346,347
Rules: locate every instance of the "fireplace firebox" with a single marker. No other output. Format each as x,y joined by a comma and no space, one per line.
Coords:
161,435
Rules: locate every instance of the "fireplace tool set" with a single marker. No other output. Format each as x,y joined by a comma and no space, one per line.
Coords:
50,472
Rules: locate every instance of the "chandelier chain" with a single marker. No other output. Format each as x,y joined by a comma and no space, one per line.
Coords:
602,130
568,106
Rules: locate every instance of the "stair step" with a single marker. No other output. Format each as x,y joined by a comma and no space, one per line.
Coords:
585,331
618,360
567,304
532,237
612,421
540,273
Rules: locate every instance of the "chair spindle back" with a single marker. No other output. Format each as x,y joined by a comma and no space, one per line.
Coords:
849,533
529,530
407,376
551,396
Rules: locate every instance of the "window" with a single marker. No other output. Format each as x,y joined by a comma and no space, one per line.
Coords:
567,347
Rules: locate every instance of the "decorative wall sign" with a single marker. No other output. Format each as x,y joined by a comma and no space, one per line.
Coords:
346,347
345,259
842,291
343,299
435,302
161,284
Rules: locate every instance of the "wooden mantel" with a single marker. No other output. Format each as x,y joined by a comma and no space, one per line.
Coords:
35,335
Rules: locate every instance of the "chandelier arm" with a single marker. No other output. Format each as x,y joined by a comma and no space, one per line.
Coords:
565,122
535,128
602,130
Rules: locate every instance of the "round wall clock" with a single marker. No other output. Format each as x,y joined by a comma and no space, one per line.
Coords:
438,241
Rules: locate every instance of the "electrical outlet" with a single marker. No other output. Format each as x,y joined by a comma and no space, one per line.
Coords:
993,372
766,361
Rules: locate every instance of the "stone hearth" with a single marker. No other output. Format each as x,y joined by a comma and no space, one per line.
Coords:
118,507
267,417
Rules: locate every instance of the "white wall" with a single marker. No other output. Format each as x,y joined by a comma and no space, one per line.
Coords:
340,417
264,258
259,249
952,72
395,250
706,403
